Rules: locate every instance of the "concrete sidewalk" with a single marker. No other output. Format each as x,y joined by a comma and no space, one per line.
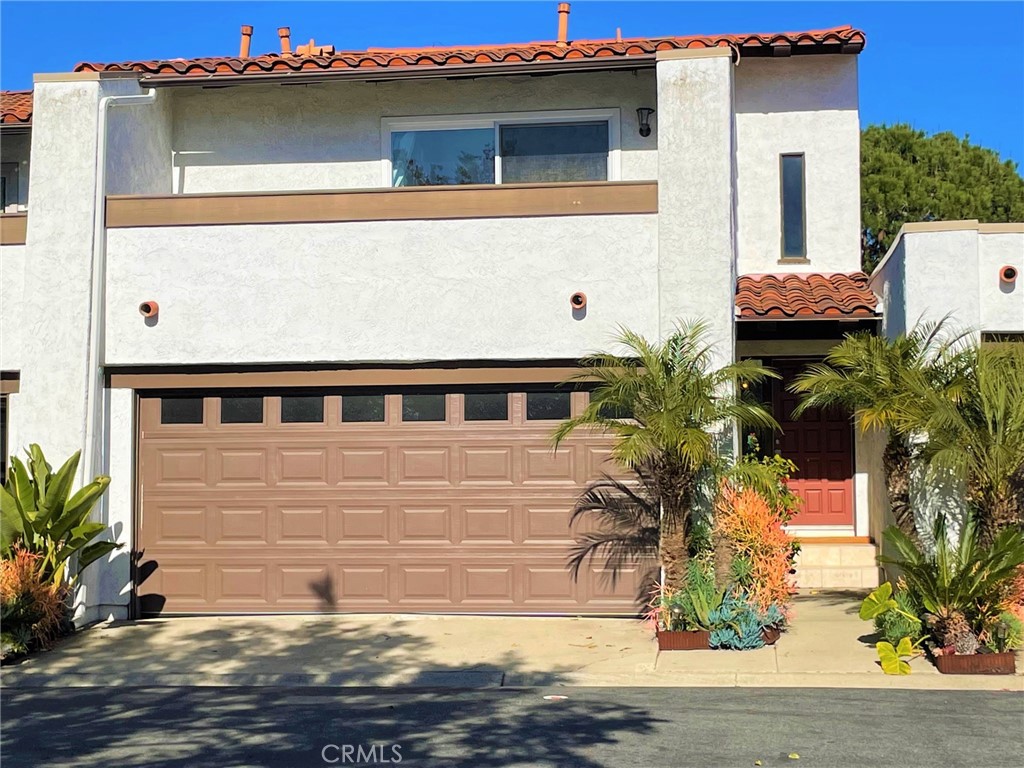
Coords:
828,646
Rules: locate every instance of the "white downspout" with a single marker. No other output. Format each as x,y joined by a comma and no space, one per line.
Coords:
98,280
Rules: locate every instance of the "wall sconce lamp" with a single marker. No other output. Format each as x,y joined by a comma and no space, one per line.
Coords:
643,116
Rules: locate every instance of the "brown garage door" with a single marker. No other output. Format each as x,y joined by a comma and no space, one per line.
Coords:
365,501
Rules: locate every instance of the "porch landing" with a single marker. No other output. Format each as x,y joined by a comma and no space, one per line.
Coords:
836,564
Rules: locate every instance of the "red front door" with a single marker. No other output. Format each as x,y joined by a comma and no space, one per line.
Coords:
820,443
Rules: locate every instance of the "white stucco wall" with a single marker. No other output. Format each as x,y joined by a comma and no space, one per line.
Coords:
12,284
952,268
380,291
15,147
139,146
696,266
1001,304
802,104
105,588
328,136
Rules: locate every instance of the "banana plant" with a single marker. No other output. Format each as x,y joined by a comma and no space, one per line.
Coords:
39,513
894,659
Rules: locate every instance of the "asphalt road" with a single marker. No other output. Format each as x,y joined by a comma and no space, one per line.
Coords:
621,727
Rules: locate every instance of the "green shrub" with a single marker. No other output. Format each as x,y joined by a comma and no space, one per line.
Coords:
892,626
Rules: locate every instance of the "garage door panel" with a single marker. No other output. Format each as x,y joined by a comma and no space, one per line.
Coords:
492,524
363,524
424,465
241,466
488,466
302,525
245,526
302,466
546,466
363,466
431,523
378,516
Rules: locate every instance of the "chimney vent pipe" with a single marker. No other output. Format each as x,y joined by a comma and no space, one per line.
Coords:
286,40
563,25
243,51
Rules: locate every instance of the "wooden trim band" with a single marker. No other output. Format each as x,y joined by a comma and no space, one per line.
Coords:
352,377
10,382
408,203
13,228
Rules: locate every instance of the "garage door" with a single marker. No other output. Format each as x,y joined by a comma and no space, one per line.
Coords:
350,500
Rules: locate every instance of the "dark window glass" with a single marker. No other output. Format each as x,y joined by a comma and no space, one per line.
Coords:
181,410
422,407
3,438
241,410
302,409
793,206
486,406
610,411
547,405
554,152
362,408
432,158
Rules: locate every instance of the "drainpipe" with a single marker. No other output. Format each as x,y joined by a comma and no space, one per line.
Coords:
98,282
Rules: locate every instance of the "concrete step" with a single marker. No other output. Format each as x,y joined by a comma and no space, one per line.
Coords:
835,565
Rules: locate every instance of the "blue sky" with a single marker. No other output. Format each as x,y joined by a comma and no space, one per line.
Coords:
937,65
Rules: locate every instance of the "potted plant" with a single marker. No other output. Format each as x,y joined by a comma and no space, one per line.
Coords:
951,599
682,617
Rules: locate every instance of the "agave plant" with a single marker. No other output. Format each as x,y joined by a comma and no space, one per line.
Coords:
959,587
39,513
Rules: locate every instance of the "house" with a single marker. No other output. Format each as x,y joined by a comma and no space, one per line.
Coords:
309,309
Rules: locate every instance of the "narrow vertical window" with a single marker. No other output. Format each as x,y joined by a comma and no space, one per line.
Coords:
793,217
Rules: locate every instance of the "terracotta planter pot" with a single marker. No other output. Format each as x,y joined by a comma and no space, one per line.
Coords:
770,635
977,664
686,640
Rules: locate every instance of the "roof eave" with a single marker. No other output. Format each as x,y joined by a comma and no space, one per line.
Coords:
412,72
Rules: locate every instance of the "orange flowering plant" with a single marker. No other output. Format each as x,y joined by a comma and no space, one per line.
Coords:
754,527
32,607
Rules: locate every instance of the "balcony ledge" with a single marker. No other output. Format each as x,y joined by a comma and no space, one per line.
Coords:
400,204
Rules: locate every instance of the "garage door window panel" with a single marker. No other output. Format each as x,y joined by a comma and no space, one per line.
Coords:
424,407
485,406
181,410
302,409
548,406
362,409
241,410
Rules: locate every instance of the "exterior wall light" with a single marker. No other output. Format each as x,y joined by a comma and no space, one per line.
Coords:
643,116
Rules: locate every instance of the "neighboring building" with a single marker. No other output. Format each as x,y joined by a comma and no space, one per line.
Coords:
309,309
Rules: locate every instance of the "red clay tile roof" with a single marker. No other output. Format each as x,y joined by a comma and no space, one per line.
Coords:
836,40
805,296
15,107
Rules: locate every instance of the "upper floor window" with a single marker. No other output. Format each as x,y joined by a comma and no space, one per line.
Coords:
9,192
507,148
794,230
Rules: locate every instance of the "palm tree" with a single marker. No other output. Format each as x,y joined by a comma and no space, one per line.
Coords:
882,382
980,435
680,409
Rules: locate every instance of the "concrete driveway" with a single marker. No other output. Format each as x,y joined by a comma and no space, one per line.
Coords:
828,646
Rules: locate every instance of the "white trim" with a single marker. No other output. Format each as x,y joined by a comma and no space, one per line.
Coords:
821,531
495,119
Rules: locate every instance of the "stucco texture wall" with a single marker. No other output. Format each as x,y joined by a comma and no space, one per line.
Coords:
12,284
328,136
380,291
953,271
804,104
